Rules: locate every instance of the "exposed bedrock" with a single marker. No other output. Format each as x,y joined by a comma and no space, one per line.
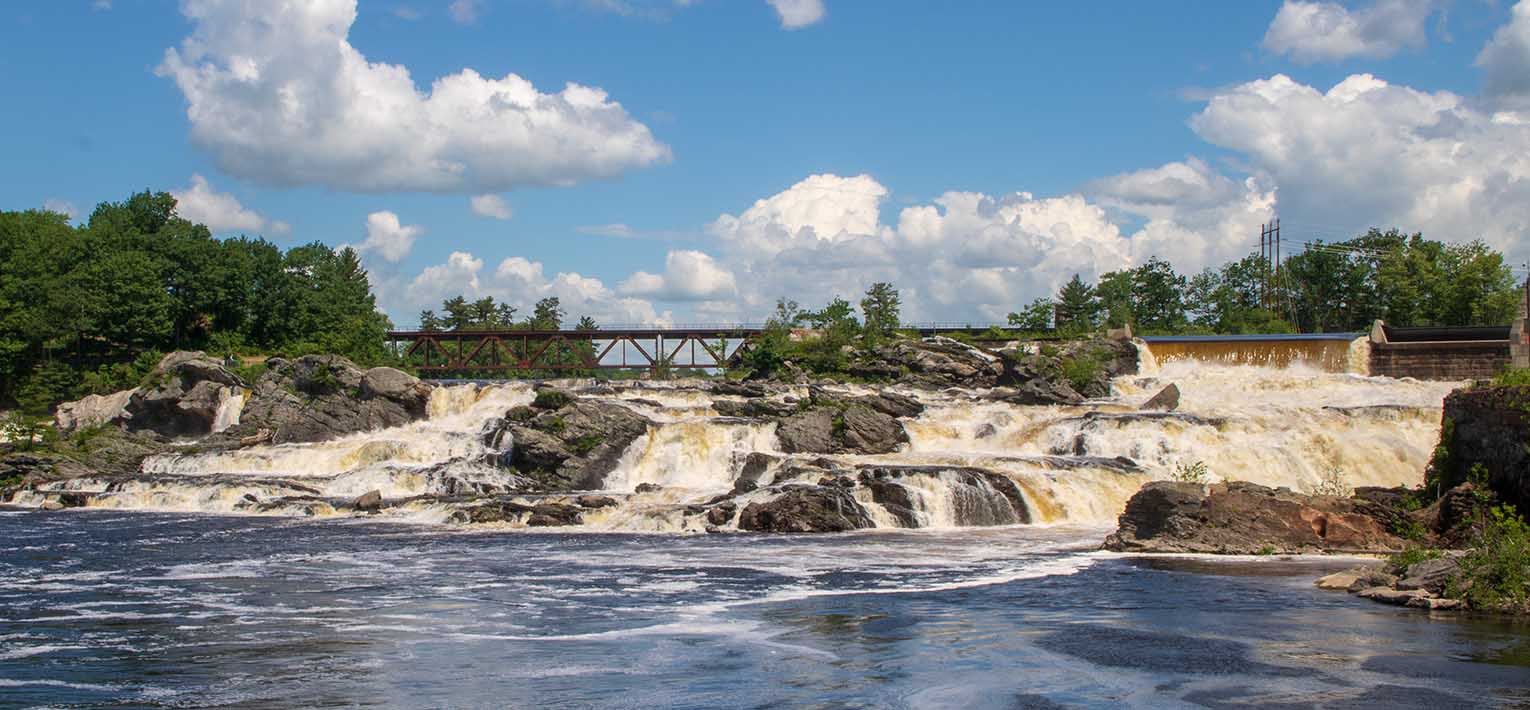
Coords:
1488,427
1245,518
564,443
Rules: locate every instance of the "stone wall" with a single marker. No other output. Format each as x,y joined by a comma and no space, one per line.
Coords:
1460,360
1519,333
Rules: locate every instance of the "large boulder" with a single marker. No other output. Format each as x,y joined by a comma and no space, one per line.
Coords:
1488,426
573,446
802,509
180,398
931,362
92,411
320,397
833,426
1246,518
808,432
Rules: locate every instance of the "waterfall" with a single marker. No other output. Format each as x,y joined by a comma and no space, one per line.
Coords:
969,461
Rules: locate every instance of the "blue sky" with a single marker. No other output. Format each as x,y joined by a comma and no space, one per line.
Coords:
976,154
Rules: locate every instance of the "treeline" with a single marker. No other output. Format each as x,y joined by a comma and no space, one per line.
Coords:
484,314
838,331
90,308
1340,287
458,313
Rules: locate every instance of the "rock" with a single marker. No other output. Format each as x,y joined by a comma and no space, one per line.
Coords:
739,389
755,466
369,501
1435,604
93,410
801,509
809,432
1245,518
51,505
1388,595
932,362
892,404
547,515
589,501
1340,581
1429,575
721,514
1037,391
1373,577
1167,399
574,446
647,488
867,431
321,397
978,496
1488,426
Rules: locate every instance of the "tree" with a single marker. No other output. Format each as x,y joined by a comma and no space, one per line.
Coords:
1078,310
547,315
459,313
880,309
586,324
1036,317
429,322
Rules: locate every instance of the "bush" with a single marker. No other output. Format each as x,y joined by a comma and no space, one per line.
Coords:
1082,369
1513,377
1191,473
551,399
1495,573
585,444
1400,562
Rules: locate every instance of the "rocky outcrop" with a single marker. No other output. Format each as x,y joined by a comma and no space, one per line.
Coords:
568,443
837,427
1167,399
931,362
1245,518
320,397
803,509
1489,427
1424,584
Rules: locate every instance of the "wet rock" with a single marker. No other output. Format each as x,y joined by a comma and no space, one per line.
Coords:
802,509
1037,392
647,488
931,362
574,446
369,501
739,389
52,505
1429,575
1372,577
868,431
1340,581
809,432
1388,595
892,404
753,408
547,515
1167,399
596,502
721,514
321,397
755,466
1245,518
976,496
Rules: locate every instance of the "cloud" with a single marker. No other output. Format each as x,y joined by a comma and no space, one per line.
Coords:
278,95
796,14
101,5
221,211
1505,61
490,206
1368,153
407,12
388,237
688,276
464,12
1327,31
617,230
521,283
61,206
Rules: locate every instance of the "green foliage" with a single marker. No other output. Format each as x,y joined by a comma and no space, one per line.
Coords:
556,425
1513,377
1034,317
551,399
116,377
1400,562
1191,473
1078,307
1495,572
22,431
1082,368
322,380
1440,475
880,311
585,444
1266,550
136,279
251,373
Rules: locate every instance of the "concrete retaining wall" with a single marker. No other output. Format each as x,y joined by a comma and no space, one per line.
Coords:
1462,360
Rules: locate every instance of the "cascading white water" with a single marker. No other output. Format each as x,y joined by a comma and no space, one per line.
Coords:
1069,464
229,408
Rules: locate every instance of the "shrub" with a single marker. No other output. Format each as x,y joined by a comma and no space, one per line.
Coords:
551,399
585,444
1191,473
1495,573
1400,562
1082,369
1513,377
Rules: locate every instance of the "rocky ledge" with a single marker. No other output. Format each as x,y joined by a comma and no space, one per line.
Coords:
1425,584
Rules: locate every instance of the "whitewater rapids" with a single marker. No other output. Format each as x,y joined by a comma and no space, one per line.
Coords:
1073,465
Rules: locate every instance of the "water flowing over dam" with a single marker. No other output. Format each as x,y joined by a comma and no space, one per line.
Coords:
968,461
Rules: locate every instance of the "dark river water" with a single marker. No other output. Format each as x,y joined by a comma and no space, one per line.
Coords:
120,610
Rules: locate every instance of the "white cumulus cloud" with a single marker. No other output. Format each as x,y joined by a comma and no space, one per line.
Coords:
798,13
490,206
1327,31
1505,61
688,276
388,237
61,206
277,94
1368,153
221,211
519,282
